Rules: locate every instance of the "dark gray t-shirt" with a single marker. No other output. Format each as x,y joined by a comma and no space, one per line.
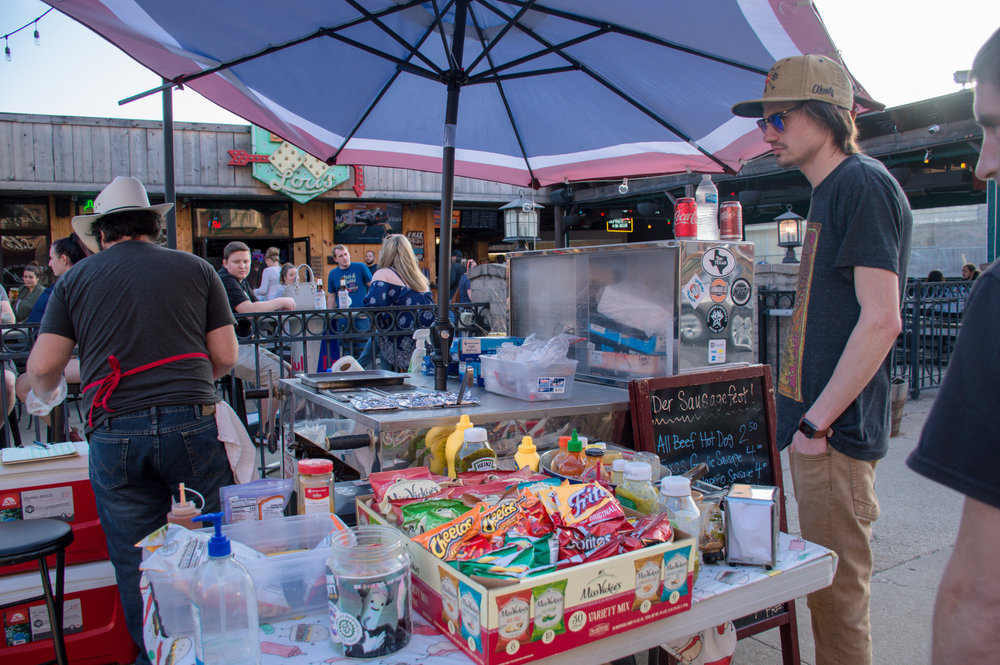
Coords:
142,303
858,217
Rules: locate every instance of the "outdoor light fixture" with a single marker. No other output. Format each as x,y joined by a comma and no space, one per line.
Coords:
789,233
38,41
6,50
520,221
623,188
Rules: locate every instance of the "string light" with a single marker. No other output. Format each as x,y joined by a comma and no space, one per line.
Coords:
37,36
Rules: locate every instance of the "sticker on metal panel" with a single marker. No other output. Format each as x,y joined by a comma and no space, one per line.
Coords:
718,290
694,291
716,351
717,319
740,291
718,261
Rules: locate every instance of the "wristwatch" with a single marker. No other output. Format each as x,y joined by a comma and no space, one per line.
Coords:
811,431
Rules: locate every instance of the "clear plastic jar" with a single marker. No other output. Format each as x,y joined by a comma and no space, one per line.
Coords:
368,582
636,490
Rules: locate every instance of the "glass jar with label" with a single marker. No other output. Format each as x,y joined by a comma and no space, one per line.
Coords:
315,487
368,583
476,453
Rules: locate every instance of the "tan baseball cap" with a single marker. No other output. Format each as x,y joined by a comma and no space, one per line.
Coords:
801,78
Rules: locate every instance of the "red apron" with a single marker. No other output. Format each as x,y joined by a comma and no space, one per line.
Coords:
107,385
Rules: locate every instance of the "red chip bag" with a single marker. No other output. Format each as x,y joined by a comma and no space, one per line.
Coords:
412,483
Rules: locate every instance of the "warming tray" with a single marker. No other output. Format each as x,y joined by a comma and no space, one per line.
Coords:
351,379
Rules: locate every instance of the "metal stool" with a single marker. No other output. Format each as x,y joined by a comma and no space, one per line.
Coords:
24,540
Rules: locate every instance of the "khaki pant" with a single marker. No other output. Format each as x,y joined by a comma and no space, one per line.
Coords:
837,505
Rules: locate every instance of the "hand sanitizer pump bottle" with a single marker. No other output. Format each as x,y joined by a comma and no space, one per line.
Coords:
224,604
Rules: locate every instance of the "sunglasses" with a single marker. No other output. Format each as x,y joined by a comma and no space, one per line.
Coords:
776,120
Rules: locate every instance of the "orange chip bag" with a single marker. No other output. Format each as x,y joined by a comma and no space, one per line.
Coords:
587,503
445,541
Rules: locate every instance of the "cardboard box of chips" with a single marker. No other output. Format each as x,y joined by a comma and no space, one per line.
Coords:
505,622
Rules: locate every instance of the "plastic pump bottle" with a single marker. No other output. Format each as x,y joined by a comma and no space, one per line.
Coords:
224,604
184,512
526,455
454,442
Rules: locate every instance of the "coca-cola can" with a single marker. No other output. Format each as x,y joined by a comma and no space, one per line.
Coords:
731,221
685,218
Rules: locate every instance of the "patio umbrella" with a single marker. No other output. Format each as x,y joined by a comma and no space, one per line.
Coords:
550,90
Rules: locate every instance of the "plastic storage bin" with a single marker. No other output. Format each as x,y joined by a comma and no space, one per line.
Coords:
528,381
289,584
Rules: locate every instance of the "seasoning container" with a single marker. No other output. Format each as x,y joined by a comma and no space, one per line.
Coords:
184,512
636,490
618,470
573,462
593,465
454,442
315,487
476,454
368,584
526,455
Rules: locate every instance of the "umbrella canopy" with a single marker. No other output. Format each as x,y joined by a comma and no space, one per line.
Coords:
551,90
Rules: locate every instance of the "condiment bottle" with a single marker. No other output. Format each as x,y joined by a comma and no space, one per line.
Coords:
475,454
224,601
573,463
636,491
558,458
526,455
618,470
593,464
675,500
454,442
315,487
184,512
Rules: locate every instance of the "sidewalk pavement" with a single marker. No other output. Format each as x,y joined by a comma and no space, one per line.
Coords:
911,543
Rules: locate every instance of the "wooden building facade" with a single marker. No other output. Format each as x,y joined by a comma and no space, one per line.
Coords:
52,167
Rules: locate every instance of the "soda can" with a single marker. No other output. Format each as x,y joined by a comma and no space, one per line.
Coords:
731,221
685,219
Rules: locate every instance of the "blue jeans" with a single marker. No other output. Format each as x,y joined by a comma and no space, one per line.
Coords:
136,462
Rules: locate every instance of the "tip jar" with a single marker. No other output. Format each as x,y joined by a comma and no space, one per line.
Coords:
368,583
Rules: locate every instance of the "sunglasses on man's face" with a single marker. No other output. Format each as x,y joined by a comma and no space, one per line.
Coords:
776,120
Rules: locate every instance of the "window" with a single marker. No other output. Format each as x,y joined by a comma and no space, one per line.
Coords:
242,220
24,237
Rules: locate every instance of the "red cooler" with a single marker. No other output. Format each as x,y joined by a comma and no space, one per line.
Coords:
57,488
93,619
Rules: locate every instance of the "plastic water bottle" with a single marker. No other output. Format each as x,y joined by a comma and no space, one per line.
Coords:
343,297
707,199
224,604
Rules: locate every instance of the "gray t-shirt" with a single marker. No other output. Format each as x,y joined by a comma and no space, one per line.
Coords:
141,303
858,216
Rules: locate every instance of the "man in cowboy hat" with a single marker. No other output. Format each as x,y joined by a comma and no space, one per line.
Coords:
833,385
154,331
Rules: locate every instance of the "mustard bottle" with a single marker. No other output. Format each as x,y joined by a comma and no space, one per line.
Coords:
526,455
454,442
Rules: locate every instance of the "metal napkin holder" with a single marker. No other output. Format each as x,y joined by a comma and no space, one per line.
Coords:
752,520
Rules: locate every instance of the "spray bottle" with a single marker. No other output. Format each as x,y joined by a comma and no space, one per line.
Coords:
421,337
184,512
224,604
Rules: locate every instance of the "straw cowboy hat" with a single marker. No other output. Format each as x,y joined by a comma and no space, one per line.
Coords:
124,193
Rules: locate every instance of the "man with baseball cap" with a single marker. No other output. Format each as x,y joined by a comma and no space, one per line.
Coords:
958,447
833,385
154,330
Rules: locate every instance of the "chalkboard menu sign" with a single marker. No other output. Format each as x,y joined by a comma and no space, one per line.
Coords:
724,418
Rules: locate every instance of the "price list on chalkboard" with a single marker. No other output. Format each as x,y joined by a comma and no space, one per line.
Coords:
721,423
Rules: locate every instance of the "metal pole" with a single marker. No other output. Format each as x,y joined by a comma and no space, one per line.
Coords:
557,227
443,331
169,191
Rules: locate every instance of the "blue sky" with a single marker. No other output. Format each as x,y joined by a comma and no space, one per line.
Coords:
901,51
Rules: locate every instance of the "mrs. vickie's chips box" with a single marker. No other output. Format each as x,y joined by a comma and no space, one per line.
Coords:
505,622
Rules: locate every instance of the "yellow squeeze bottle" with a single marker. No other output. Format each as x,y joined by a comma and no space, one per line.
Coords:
455,440
526,455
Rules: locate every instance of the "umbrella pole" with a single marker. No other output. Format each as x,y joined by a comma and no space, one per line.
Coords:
442,332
